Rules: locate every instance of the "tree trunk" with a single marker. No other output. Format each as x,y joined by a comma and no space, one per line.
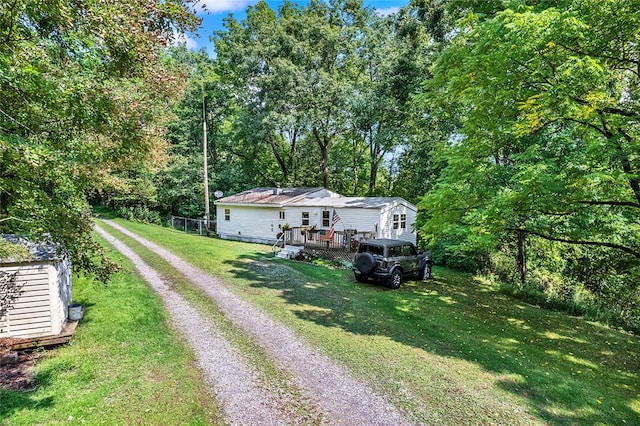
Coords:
521,260
373,177
323,144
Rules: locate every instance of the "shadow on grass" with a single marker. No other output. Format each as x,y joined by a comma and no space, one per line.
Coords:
570,371
103,212
12,401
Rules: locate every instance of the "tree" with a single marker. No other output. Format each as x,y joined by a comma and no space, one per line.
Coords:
547,99
84,96
292,72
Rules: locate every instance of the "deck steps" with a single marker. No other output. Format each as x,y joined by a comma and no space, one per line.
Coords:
290,252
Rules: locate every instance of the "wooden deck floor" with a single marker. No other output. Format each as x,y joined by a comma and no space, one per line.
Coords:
42,341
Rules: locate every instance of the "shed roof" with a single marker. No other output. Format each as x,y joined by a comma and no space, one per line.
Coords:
40,251
277,196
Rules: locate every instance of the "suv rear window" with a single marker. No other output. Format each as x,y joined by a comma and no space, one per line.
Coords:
364,248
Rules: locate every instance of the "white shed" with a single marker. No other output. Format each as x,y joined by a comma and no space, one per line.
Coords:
44,296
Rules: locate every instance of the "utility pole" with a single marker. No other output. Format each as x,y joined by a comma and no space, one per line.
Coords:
206,172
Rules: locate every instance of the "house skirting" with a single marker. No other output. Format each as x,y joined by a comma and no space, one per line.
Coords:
247,239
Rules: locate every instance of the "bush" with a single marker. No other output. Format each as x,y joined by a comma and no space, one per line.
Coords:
598,283
139,214
446,253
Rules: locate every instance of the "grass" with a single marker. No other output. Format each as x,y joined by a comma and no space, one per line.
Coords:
269,374
451,350
124,365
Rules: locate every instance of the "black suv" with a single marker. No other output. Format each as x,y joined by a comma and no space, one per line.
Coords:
390,260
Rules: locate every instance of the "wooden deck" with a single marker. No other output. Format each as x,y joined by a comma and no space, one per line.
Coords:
42,341
342,245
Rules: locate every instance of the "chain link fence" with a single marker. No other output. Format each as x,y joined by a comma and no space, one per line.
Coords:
193,226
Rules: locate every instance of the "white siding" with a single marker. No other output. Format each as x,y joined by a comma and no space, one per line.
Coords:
387,230
30,315
293,216
362,220
60,291
261,223
42,308
248,223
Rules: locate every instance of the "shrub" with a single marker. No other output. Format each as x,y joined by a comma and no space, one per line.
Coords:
139,214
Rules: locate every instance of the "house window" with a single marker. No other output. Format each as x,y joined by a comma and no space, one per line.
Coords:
305,218
325,219
281,215
399,221
227,214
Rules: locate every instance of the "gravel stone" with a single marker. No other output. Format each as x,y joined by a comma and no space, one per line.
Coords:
334,392
232,382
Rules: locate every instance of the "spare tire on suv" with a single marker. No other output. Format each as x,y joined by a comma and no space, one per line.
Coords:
365,263
390,261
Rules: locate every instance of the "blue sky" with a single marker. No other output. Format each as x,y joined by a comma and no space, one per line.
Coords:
216,10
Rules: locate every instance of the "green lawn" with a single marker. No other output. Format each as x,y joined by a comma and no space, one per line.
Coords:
123,366
453,349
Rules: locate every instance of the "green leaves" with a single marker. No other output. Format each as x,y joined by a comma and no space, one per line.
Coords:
82,96
545,98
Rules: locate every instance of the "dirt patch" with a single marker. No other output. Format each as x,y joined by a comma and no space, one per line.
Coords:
18,376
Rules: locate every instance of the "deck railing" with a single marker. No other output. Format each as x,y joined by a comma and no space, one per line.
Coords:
346,240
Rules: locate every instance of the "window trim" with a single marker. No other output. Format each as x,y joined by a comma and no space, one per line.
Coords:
326,219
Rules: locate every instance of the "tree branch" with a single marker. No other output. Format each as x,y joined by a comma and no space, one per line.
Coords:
600,55
620,247
611,203
610,110
14,218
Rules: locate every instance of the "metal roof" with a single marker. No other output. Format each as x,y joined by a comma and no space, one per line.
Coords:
353,202
40,251
310,197
277,196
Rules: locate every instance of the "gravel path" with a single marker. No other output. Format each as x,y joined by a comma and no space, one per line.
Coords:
221,366
335,394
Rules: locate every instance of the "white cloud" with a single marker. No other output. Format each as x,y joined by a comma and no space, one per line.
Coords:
221,6
388,11
178,39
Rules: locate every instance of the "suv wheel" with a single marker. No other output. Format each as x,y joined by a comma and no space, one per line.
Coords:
395,280
361,278
365,263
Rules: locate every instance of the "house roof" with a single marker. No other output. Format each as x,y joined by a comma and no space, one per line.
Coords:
310,197
39,251
271,196
353,202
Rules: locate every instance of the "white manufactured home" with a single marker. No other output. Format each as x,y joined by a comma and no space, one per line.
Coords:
259,215
44,292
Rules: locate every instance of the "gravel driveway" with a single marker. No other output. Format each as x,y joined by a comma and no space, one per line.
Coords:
330,393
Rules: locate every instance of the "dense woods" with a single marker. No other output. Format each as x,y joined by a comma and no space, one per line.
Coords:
513,125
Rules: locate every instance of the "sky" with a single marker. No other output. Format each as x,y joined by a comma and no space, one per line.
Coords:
216,10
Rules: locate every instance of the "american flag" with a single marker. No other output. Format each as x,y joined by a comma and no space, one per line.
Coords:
334,220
